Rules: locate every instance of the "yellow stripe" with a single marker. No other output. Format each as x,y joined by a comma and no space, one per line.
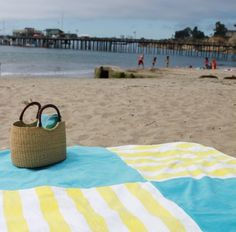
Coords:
50,210
94,220
13,212
131,221
155,208
169,146
165,154
223,172
136,148
186,145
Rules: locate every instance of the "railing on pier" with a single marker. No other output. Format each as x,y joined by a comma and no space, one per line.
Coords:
221,51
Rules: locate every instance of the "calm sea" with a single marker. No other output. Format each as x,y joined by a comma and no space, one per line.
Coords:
62,62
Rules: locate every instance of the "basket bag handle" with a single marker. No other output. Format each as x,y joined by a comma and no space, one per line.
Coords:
30,104
43,108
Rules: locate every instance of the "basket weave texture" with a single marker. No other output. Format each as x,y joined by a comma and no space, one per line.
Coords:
34,146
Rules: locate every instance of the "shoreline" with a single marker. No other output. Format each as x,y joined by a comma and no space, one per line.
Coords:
89,75
174,106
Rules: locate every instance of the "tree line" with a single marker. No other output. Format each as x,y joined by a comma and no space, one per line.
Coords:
188,33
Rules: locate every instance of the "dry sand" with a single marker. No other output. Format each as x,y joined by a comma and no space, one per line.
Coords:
175,106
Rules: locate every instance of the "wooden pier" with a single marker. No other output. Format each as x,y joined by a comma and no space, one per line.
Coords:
220,51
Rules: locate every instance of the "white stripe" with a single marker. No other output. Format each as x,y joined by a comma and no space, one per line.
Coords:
173,208
137,209
3,226
200,148
171,170
100,206
31,211
72,216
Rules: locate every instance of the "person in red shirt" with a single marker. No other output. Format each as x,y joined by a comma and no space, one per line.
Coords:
213,64
141,61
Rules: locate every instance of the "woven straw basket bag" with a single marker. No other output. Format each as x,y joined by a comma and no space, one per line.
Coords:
34,146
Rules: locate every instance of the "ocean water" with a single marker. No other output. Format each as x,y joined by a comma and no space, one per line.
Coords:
77,63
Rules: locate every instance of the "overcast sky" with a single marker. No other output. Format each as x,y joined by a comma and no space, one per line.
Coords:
140,18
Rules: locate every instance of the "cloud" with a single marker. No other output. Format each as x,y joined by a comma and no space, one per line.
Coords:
178,11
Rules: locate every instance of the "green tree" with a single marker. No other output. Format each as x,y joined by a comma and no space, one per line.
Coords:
220,29
183,34
188,33
196,34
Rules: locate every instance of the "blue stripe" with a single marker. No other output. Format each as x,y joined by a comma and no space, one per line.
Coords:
210,202
84,167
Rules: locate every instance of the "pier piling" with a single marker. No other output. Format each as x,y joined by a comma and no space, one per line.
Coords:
164,47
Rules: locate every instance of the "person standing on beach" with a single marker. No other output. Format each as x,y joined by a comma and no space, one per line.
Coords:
206,62
213,64
167,61
141,61
154,61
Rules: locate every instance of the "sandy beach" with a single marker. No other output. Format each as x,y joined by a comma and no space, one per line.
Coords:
177,105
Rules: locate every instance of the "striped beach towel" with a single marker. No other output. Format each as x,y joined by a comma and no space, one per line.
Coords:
167,187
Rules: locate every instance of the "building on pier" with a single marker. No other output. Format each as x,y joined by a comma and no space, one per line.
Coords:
55,33
28,32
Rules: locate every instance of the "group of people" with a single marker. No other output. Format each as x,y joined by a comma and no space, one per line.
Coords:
154,61
209,65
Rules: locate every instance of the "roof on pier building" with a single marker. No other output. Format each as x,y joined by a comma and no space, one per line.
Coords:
54,32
